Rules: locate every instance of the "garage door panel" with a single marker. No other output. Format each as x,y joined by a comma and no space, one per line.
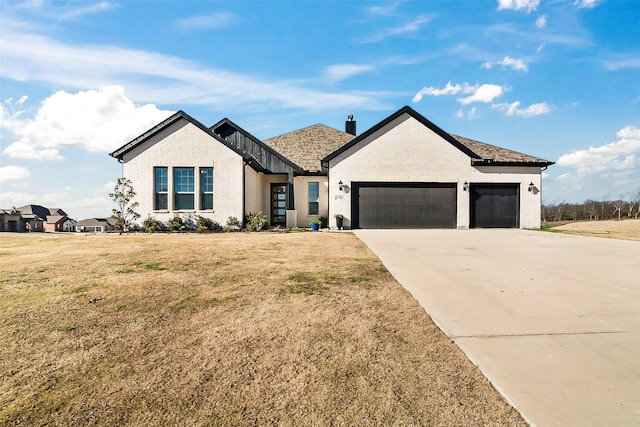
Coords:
404,205
495,205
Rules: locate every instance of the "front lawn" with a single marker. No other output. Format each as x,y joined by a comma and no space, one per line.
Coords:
223,329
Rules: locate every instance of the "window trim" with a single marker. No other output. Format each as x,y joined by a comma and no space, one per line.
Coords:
315,201
203,193
177,193
156,193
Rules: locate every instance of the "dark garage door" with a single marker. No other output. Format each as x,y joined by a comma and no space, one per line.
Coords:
495,205
403,205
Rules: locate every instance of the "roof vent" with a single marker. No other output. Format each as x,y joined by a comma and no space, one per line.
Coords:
350,125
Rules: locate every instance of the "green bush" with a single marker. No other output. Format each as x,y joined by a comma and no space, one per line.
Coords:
204,224
255,221
152,225
233,224
175,224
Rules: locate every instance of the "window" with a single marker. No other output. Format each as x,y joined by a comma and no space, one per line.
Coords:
161,188
314,197
184,186
206,188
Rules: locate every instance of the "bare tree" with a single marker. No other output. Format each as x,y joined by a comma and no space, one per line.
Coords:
591,209
617,207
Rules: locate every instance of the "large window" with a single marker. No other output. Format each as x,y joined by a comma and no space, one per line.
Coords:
314,198
206,188
161,188
184,188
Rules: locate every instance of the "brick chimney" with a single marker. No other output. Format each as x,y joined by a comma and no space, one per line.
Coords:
350,125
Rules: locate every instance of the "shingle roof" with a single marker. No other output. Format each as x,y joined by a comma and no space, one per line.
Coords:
308,146
491,154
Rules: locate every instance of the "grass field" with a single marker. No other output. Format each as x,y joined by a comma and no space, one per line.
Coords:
223,329
628,229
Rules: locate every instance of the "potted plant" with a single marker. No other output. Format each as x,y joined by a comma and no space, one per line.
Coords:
315,225
339,218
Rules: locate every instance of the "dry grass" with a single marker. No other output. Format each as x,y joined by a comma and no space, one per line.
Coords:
628,229
223,329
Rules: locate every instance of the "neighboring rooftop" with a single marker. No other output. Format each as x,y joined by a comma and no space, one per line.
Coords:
308,146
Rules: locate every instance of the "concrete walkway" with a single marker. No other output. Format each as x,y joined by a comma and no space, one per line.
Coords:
552,320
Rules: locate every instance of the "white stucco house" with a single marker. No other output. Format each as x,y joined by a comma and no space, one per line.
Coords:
404,172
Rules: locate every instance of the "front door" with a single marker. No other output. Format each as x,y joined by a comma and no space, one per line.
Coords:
279,204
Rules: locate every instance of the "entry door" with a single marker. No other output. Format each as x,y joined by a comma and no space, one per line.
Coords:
279,204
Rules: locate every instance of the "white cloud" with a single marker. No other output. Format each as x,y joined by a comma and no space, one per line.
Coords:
340,72
478,93
410,27
13,173
586,3
216,20
99,121
618,62
531,111
151,77
518,4
516,64
484,93
383,10
541,22
471,114
621,155
52,10
449,89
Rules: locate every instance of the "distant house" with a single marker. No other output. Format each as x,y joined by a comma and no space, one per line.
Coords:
95,225
35,218
404,172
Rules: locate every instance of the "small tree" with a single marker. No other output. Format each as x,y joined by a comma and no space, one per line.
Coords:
122,196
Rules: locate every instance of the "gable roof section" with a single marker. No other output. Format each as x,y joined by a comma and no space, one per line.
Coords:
252,148
479,152
180,115
308,146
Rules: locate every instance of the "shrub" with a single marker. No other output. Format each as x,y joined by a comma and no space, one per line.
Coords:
204,224
233,224
324,222
255,221
152,225
176,223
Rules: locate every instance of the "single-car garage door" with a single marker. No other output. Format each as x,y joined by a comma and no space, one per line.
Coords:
495,205
403,205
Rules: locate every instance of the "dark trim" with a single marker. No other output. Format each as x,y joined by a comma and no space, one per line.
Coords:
180,115
257,141
405,110
515,163
475,158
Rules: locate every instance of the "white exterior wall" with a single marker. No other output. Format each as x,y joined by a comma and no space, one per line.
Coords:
301,195
186,145
407,151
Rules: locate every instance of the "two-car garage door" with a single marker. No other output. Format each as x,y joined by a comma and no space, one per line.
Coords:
432,205
403,205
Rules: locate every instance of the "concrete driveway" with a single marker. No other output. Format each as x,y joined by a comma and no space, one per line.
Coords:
552,320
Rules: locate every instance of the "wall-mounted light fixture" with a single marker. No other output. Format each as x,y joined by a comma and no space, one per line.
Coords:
341,186
533,189
465,186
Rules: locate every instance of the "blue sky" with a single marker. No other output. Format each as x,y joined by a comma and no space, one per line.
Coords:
556,79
